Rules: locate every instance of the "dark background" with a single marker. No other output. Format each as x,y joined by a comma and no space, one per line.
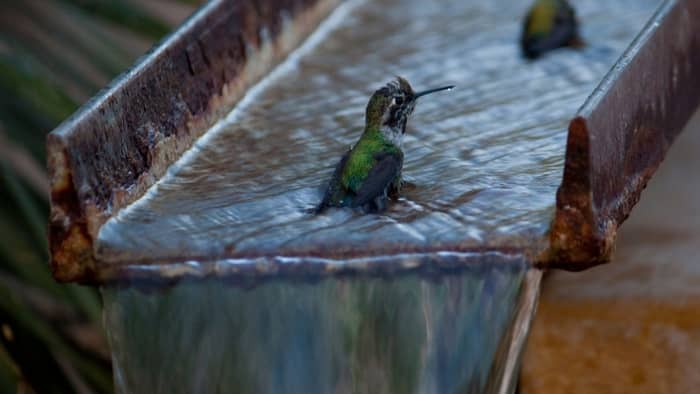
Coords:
54,56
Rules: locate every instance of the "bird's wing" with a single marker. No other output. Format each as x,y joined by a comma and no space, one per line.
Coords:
380,176
334,185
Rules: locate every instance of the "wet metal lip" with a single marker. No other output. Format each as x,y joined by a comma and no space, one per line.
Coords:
113,149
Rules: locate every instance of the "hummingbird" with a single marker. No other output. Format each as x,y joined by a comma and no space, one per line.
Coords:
370,171
550,24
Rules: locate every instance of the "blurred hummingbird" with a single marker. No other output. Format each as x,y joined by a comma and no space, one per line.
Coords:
370,171
549,24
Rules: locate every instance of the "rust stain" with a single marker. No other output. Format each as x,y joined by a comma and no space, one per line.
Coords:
573,235
73,256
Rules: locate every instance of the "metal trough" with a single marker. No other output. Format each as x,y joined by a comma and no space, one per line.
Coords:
138,198
121,143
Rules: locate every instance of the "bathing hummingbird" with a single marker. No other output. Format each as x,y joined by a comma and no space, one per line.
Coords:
550,24
371,170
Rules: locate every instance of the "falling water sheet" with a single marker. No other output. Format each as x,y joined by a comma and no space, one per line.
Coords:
409,335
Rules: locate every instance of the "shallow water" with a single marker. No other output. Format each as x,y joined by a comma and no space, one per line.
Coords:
485,158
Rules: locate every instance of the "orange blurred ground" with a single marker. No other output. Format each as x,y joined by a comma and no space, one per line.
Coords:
631,326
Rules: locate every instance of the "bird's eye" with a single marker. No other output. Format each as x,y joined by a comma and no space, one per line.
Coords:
398,100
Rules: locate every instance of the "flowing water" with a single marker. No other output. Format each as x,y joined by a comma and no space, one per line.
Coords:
347,335
483,160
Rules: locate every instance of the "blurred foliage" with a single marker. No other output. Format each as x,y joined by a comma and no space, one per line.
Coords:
54,55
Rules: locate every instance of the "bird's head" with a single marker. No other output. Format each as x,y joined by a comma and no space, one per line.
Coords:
390,106
550,24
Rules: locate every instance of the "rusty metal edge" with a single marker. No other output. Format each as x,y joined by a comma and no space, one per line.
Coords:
122,141
621,134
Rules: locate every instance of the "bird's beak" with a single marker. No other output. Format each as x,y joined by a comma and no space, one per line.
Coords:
429,91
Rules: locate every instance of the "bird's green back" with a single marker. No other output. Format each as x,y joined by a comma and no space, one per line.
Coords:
362,158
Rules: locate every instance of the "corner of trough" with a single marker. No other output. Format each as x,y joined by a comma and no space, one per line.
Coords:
576,240
70,243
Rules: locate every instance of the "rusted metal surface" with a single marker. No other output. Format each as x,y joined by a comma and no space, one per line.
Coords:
621,135
119,144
